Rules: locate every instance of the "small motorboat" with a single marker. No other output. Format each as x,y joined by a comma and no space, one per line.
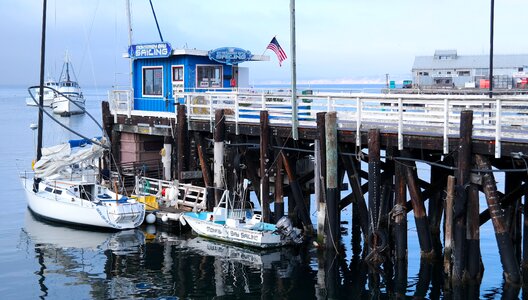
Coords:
241,226
49,94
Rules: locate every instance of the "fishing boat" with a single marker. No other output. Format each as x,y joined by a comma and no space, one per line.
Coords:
64,187
69,99
241,226
49,93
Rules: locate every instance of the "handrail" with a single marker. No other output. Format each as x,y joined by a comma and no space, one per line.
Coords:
501,118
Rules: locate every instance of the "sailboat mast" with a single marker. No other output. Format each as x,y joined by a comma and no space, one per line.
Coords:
130,43
41,90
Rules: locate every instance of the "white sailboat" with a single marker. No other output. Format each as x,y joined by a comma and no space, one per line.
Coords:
64,187
70,99
241,226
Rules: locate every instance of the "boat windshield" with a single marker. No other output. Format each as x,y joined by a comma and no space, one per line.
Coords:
69,83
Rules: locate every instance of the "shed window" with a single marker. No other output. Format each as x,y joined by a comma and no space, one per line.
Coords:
209,76
153,81
177,73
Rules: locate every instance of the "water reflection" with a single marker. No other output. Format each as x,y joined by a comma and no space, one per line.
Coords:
149,264
81,259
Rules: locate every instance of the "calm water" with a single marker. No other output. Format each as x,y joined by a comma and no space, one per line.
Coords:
55,262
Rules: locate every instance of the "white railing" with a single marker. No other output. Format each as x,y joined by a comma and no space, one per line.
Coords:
120,101
497,119
188,196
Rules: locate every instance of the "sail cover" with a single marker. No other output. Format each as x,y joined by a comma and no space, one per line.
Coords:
56,158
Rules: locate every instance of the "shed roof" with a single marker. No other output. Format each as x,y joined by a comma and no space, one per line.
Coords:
470,62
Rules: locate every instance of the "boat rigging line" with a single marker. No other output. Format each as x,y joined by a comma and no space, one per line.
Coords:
156,19
42,110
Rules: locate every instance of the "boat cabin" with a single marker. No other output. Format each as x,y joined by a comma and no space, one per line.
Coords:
160,73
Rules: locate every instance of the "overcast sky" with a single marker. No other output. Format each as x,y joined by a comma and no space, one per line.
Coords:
338,41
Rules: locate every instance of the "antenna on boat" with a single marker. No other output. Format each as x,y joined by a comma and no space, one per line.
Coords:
41,89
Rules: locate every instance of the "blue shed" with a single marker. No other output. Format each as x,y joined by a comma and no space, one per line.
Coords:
160,72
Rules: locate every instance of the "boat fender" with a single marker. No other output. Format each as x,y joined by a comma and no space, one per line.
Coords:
164,218
172,193
182,220
150,218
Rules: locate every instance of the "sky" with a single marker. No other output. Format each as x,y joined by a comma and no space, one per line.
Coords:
337,41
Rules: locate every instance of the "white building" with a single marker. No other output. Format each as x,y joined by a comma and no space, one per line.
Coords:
448,69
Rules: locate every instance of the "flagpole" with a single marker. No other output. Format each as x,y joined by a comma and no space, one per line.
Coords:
295,122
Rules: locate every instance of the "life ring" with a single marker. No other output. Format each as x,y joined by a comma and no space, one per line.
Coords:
199,100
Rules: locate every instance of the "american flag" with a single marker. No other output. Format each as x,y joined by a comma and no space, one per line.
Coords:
275,47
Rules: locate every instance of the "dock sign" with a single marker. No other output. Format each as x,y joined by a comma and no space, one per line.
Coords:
230,55
154,50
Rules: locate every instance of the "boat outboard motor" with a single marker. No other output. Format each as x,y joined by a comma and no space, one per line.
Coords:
285,228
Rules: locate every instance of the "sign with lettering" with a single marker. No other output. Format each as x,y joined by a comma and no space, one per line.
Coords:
230,55
154,50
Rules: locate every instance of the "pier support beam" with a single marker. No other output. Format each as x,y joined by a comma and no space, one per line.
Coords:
436,207
473,234
332,194
460,207
296,194
360,219
399,214
264,166
420,216
374,197
181,138
448,226
206,170
320,176
219,137
513,212
279,189
504,243
166,157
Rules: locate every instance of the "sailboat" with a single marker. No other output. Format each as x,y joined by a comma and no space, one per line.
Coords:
69,99
64,185
65,188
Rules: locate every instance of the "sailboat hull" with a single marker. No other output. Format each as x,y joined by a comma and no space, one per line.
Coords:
77,211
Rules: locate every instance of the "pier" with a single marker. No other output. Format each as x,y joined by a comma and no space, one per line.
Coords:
367,144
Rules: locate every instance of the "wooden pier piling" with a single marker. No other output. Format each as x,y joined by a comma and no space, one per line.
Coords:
399,213
420,215
460,207
473,234
374,189
332,194
506,251
448,226
182,141
264,165
219,136
279,189
320,175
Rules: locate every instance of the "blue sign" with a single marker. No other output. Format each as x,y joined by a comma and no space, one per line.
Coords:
154,50
230,55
